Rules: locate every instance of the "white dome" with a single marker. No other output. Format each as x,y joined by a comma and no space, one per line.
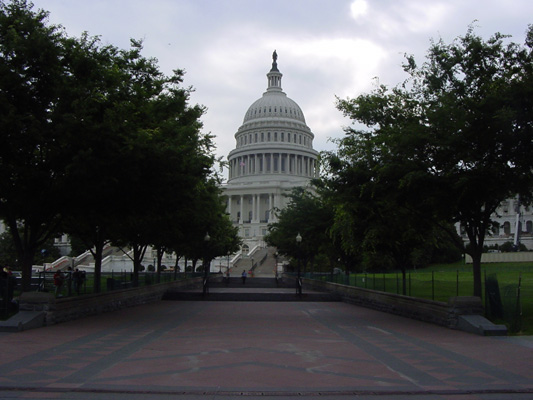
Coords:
273,141
274,104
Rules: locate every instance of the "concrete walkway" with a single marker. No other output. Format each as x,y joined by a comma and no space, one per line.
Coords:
191,349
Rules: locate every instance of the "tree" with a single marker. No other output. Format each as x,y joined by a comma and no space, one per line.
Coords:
458,131
34,81
209,215
311,217
95,141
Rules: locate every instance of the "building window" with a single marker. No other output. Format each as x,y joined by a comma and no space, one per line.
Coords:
262,136
507,228
282,136
529,226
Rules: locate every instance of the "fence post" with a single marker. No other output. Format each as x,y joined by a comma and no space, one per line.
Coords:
518,312
384,286
457,285
432,285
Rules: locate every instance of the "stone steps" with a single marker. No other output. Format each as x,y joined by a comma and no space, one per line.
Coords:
280,295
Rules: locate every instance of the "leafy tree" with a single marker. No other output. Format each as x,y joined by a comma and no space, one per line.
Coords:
96,141
457,132
308,215
35,79
209,215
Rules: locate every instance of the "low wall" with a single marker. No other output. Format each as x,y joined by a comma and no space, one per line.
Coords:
437,312
519,256
70,308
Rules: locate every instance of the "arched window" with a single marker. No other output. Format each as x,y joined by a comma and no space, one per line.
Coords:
529,226
507,228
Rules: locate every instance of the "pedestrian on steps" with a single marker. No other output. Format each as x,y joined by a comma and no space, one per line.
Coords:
243,276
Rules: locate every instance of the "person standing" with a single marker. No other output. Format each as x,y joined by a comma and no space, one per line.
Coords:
243,276
59,279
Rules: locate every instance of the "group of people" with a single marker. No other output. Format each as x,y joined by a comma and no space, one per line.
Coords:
78,279
243,276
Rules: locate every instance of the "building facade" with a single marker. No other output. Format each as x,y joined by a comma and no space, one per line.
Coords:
273,154
512,218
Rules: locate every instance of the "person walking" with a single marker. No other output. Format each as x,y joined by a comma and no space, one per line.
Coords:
243,276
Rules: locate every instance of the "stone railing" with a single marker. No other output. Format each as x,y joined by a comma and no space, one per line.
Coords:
52,310
437,312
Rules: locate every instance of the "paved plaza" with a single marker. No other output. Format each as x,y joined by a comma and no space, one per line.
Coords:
280,350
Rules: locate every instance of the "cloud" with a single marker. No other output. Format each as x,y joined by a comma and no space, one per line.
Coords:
358,8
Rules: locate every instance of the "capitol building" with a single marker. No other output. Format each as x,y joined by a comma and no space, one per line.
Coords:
273,154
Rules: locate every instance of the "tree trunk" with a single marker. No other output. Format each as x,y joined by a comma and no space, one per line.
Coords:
137,259
158,268
476,269
26,266
404,282
98,252
176,266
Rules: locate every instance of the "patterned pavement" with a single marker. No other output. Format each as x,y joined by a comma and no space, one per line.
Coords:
257,349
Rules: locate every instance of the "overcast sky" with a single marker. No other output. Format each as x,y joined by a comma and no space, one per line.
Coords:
326,48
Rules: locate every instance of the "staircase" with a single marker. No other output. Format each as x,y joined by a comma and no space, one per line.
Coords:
254,289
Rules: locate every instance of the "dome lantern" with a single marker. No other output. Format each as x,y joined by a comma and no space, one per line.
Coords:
274,76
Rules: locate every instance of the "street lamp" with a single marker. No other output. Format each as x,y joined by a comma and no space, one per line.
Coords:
299,280
207,238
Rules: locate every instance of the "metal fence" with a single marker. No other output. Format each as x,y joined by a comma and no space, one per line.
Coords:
427,285
507,295
74,286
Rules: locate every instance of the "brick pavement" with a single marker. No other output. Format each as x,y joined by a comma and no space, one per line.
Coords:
257,349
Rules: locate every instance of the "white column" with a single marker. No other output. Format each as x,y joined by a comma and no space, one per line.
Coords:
229,208
274,205
270,206
254,213
242,216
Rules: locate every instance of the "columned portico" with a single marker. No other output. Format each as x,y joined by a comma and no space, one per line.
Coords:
273,155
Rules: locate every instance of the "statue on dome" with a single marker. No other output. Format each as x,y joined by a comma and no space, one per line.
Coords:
275,56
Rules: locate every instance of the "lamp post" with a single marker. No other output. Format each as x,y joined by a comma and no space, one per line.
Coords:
299,279
207,238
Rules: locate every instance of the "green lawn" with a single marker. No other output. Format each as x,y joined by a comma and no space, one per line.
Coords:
440,282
